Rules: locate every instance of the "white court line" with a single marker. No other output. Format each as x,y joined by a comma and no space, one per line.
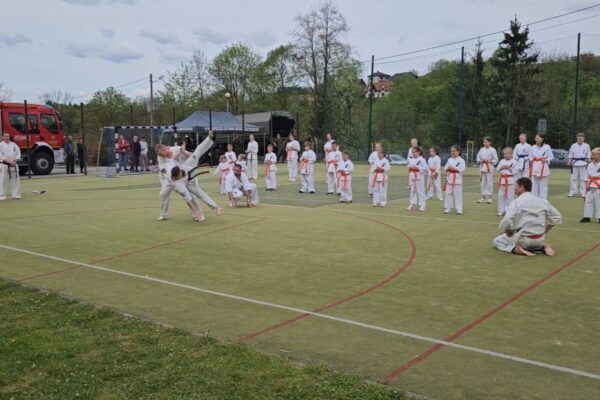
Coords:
464,221
315,314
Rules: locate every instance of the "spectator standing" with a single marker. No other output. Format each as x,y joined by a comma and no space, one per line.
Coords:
144,155
137,150
81,155
122,150
70,155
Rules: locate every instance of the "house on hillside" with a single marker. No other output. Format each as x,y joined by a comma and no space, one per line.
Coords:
382,82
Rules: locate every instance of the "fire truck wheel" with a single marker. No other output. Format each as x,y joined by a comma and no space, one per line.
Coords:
41,163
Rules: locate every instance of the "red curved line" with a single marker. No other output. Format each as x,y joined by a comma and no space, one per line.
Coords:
421,357
411,259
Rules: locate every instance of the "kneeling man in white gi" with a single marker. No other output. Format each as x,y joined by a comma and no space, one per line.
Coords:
527,221
237,186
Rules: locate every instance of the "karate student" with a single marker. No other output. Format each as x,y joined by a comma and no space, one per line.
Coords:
241,161
183,176
327,150
307,169
527,221
414,142
434,177
592,196
487,157
238,186
333,158
231,156
252,157
521,153
270,169
374,156
178,178
455,166
222,171
166,158
579,157
292,148
10,155
539,166
506,179
380,180
417,168
345,178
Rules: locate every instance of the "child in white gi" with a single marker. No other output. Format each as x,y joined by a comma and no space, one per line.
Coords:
345,178
238,186
230,156
270,169
521,153
579,157
10,154
241,161
434,176
333,158
506,180
380,181
372,158
592,196
327,150
307,169
292,148
455,166
252,156
539,166
417,169
487,159
222,171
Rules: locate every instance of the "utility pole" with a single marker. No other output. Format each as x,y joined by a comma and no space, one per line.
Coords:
461,128
574,126
83,138
151,112
371,105
28,146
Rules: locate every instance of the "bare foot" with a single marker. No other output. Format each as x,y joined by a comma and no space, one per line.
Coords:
198,216
549,251
520,250
219,210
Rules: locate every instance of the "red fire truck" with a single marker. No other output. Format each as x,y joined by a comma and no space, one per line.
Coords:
46,136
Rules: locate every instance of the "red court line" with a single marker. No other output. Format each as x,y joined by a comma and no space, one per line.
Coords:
411,259
421,357
73,213
156,246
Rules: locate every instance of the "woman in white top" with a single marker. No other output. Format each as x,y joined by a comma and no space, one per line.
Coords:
327,149
252,158
374,156
539,166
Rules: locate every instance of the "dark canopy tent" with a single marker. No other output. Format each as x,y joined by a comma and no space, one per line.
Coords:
200,121
271,122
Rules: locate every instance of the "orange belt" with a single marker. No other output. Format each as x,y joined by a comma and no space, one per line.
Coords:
415,174
432,176
345,176
453,184
487,165
541,235
505,183
335,163
267,169
304,166
223,171
537,159
375,179
593,180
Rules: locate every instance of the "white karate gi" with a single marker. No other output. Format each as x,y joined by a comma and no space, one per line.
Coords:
453,184
252,156
271,170
333,159
345,169
521,153
237,186
222,171
307,171
580,156
188,188
417,169
372,158
592,196
231,158
165,165
539,169
487,157
506,183
434,177
327,149
292,148
380,182
527,216
9,152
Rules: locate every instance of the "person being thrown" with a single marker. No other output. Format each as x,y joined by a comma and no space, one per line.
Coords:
237,186
527,221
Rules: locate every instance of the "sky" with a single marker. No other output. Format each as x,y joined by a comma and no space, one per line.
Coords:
81,46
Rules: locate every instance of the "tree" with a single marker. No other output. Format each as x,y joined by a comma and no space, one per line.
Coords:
234,70
318,44
515,62
5,93
109,107
55,97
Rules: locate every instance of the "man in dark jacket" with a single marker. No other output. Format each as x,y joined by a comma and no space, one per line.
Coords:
137,150
70,155
81,155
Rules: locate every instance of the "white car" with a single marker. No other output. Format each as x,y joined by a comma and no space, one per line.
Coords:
396,159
